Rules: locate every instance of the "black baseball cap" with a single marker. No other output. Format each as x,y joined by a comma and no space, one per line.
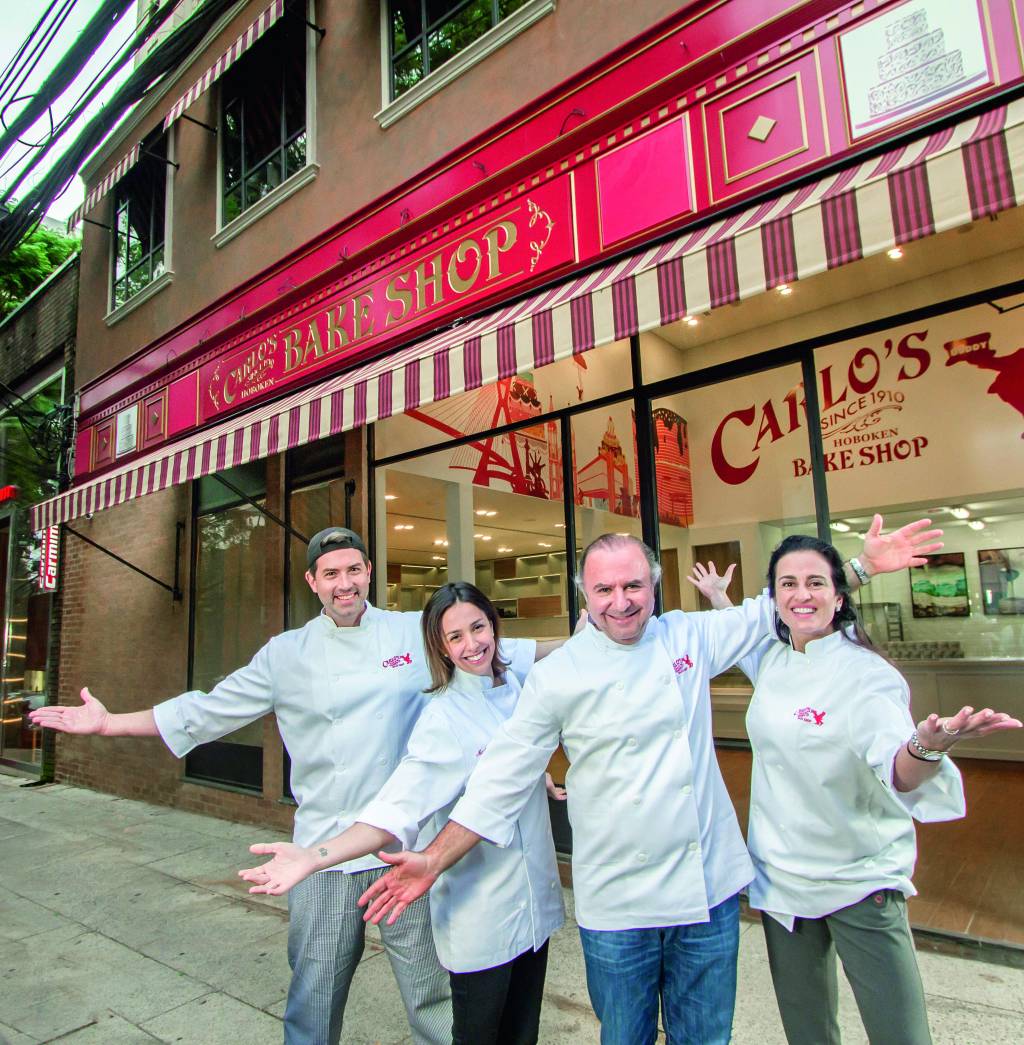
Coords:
330,540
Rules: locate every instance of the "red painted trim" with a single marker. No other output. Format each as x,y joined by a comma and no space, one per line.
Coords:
640,86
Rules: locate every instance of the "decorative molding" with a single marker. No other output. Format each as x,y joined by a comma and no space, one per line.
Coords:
477,51
252,214
153,287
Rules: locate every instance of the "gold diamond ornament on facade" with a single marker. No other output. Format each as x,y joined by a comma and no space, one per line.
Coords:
763,126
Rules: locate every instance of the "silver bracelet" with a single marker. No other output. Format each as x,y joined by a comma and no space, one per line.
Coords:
925,753
862,575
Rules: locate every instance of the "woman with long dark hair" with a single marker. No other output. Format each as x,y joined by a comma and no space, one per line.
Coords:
492,915
839,775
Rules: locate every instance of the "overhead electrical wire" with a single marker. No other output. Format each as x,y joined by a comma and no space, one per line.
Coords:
65,71
11,66
111,68
40,49
164,58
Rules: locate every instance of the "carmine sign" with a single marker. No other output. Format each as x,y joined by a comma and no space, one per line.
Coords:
510,244
48,559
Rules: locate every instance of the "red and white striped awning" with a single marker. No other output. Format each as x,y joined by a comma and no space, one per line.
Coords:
950,178
266,19
120,169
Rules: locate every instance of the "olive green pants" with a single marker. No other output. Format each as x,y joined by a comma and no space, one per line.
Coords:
873,941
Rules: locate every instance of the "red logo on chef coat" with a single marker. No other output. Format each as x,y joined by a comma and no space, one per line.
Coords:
816,718
481,751
397,660
684,663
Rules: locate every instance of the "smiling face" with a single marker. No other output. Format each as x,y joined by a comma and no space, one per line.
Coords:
805,596
468,638
619,590
341,581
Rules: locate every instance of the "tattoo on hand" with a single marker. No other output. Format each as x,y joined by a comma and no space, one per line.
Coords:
322,851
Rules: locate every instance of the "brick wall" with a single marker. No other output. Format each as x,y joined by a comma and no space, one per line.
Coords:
42,329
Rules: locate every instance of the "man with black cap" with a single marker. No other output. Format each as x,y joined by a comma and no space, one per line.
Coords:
346,689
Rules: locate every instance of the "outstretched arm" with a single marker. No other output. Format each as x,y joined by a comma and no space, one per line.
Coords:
714,588
91,717
891,552
911,770
292,863
414,873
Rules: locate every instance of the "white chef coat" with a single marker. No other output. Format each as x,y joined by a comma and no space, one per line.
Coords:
827,825
655,837
345,699
494,904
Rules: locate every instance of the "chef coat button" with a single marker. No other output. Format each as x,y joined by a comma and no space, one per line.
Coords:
687,789
340,769
636,800
678,734
641,858
619,687
380,714
383,761
666,679
693,847
631,741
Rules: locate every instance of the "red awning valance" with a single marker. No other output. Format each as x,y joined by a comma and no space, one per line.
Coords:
121,168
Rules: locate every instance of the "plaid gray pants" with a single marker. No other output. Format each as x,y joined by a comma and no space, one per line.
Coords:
325,943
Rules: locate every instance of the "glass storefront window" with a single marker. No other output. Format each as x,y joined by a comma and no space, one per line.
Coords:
732,479
231,600
528,396
926,420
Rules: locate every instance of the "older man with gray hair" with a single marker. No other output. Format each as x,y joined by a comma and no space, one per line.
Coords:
658,857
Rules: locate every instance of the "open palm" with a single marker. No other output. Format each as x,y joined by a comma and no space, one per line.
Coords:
88,717
290,865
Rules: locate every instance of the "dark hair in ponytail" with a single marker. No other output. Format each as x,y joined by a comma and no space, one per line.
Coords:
845,620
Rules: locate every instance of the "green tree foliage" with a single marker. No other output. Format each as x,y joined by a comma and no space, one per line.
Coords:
31,261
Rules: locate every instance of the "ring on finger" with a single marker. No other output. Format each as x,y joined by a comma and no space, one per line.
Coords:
945,729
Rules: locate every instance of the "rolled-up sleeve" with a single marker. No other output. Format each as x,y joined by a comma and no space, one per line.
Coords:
509,769
731,634
195,717
888,724
432,774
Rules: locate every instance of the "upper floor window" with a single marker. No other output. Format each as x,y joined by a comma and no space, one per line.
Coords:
263,117
140,205
426,33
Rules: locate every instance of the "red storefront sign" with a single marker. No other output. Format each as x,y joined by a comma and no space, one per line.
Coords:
48,559
524,239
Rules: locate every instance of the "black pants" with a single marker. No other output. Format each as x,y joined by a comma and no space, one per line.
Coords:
500,1006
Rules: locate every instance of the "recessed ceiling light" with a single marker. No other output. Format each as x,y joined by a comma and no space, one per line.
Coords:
390,497
840,527
490,515
437,558
477,536
480,511
543,544
784,289
504,549
960,513
404,526
485,537
976,524
896,253
691,321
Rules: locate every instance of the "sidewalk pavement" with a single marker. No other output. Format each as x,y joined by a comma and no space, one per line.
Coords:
125,923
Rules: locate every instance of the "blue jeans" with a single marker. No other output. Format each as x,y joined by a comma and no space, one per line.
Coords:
691,969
